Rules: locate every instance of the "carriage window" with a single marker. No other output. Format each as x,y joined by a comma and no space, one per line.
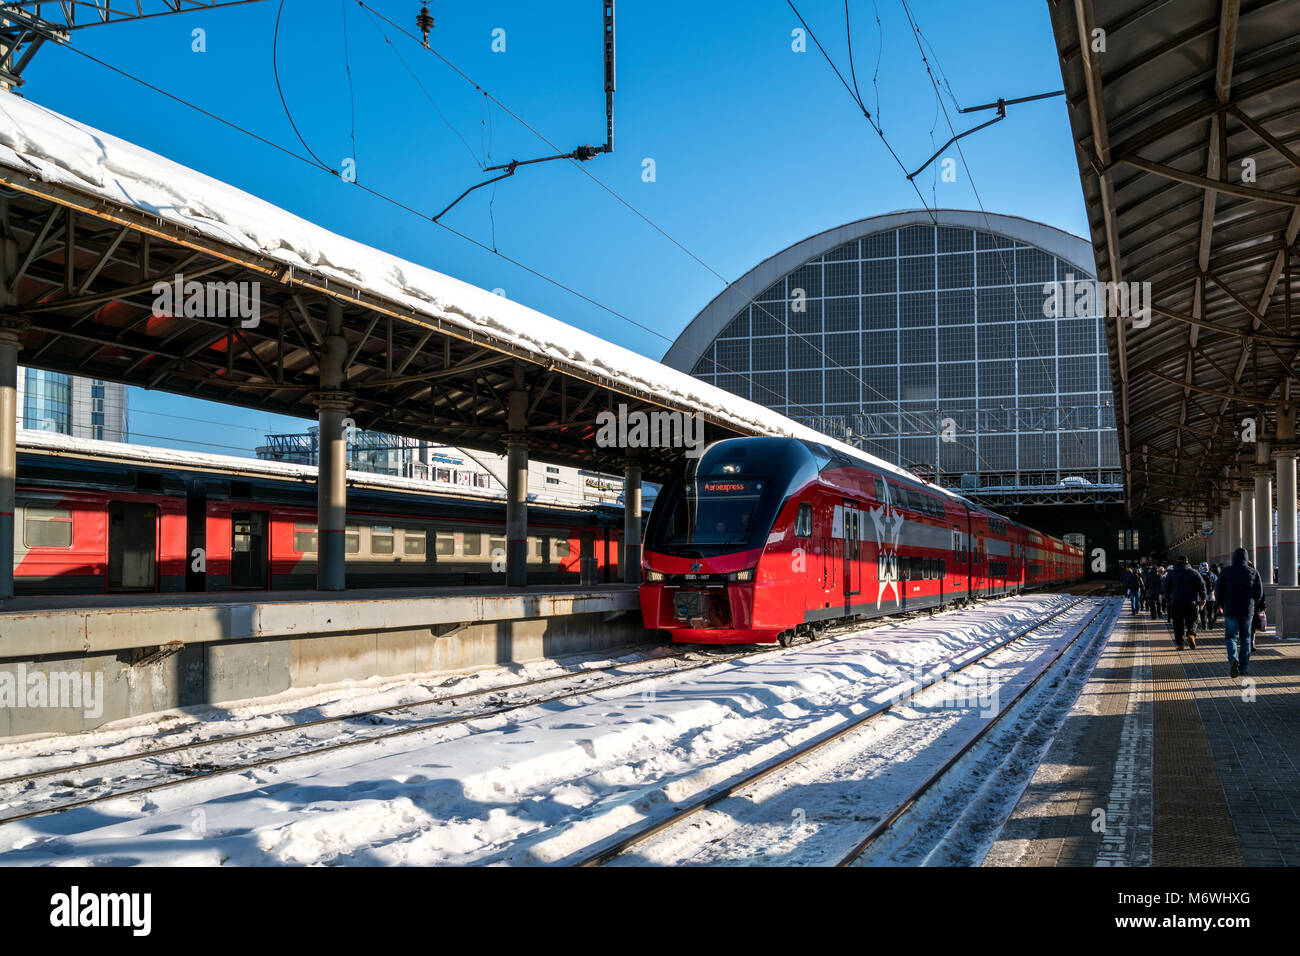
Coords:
304,537
352,537
560,547
416,543
47,527
943,567
880,489
497,543
803,521
381,539
444,542
473,543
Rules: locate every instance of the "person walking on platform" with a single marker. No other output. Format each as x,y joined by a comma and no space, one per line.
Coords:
1238,591
1184,593
1216,570
1151,586
1207,608
1131,582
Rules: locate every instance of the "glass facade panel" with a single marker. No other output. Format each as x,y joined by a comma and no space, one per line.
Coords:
884,337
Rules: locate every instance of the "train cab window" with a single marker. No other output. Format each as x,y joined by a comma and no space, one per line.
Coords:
444,542
803,521
47,527
304,537
472,544
560,547
381,539
352,539
415,542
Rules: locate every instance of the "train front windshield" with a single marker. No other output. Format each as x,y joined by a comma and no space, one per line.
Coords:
711,516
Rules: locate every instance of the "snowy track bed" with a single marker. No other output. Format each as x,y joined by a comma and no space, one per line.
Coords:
544,783
927,782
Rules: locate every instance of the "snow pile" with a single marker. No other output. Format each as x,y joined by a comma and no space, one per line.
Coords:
50,147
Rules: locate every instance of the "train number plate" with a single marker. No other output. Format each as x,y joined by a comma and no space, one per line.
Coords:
687,605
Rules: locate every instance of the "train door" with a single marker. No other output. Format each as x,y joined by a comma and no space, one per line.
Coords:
852,552
248,550
132,546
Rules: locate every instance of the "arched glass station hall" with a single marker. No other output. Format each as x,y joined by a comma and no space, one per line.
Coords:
897,332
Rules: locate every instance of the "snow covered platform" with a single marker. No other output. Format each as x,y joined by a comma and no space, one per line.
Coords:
1167,761
158,651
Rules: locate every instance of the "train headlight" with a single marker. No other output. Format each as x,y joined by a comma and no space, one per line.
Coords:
654,576
745,575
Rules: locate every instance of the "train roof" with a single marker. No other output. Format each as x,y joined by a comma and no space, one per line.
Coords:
55,443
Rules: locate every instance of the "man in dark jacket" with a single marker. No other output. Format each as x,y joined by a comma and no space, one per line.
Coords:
1184,593
1207,609
1151,586
1131,582
1238,591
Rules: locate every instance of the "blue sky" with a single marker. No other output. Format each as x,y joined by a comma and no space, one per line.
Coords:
755,146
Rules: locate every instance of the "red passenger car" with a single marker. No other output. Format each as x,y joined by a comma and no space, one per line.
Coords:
767,538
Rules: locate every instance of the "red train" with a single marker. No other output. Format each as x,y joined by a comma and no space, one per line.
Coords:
102,517
768,538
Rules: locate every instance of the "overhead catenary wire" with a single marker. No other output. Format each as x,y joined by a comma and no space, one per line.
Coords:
1015,298
897,402
315,161
862,106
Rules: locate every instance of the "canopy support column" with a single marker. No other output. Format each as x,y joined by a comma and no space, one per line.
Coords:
332,406
517,485
631,557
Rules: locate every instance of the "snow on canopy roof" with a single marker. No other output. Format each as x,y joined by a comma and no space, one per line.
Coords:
39,142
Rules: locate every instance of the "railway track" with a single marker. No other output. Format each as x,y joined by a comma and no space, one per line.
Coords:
903,807
818,744
181,772
178,774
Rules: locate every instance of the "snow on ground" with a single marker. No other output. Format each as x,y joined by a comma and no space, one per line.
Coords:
815,811
535,785
186,725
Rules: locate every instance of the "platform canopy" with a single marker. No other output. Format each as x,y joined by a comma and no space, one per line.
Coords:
94,223
1186,118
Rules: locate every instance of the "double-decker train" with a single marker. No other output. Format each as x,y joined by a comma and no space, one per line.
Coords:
103,517
769,538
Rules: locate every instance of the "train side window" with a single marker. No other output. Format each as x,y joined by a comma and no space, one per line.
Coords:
352,537
473,543
943,568
381,539
304,537
560,548
47,527
415,542
497,543
803,521
880,489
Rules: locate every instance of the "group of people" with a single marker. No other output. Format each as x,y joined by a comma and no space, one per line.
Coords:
1187,596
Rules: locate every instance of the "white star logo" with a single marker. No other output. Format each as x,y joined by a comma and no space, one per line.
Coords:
888,522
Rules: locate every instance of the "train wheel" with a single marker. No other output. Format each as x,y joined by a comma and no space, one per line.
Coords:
785,638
